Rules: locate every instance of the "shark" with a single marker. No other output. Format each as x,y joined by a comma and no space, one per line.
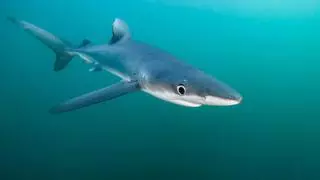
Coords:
139,66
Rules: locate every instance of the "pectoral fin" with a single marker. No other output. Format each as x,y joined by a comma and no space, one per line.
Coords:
95,97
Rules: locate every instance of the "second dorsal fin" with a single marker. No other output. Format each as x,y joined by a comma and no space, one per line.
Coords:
120,31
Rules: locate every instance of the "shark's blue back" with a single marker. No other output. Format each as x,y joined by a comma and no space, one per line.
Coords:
133,58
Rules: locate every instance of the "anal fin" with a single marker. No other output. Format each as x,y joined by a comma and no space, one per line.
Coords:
95,97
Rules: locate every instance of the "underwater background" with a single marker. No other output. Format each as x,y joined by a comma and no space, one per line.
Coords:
268,50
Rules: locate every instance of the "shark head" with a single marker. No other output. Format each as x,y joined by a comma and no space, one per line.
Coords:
192,88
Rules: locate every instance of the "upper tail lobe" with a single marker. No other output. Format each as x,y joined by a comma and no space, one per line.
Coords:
56,44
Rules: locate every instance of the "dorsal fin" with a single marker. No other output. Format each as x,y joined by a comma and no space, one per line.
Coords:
120,31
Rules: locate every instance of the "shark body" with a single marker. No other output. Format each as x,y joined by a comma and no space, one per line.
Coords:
140,67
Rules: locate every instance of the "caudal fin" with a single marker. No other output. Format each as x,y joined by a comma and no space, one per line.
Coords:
63,58
56,44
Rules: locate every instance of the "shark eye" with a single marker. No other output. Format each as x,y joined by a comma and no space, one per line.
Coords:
181,90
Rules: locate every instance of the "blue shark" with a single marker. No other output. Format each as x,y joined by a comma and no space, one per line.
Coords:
140,66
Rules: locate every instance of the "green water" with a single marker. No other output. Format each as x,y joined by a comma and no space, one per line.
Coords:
271,58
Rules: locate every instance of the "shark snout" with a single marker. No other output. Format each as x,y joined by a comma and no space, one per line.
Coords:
220,101
221,94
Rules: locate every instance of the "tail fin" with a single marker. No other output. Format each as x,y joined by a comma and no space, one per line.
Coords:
56,44
62,60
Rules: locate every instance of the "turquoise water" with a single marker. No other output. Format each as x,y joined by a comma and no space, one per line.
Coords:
270,55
